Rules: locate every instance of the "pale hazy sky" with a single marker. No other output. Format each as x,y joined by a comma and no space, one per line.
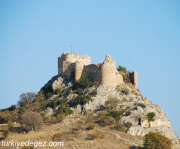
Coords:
141,35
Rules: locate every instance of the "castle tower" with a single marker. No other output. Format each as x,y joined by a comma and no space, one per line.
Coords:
78,70
110,75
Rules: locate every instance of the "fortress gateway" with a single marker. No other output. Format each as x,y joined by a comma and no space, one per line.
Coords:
72,65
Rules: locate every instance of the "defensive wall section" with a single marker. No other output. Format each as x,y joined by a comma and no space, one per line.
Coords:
72,65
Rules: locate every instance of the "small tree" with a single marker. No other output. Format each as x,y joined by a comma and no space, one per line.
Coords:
150,116
111,103
128,124
10,125
32,120
44,105
5,133
156,141
26,98
21,110
48,95
79,91
58,91
114,114
12,108
86,80
94,92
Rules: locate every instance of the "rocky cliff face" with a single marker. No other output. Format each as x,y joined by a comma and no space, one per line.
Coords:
137,115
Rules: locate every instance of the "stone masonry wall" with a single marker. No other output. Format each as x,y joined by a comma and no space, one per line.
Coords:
71,58
68,69
106,73
110,75
78,70
134,78
95,71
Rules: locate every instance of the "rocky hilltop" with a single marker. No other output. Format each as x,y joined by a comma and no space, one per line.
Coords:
136,107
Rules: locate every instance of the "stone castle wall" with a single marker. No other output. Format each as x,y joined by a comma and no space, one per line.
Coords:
110,75
134,77
78,70
106,73
95,71
66,59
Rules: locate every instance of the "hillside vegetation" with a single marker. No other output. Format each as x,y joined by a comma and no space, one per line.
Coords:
88,115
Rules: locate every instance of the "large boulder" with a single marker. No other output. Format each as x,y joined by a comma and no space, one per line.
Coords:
57,83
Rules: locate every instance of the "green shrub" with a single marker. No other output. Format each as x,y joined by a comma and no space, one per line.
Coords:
44,105
156,141
21,110
80,100
86,80
58,91
122,68
127,113
62,101
12,108
142,105
150,116
125,91
79,91
64,110
5,133
53,103
61,94
114,114
94,92
69,91
119,126
10,125
89,98
128,124
126,78
105,120
87,91
48,95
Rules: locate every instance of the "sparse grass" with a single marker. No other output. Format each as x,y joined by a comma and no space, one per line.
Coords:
78,139
78,125
112,103
64,136
123,88
104,120
90,126
95,134
119,126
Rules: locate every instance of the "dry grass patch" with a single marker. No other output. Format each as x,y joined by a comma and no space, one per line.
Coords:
78,125
119,126
112,103
104,120
90,126
65,136
95,134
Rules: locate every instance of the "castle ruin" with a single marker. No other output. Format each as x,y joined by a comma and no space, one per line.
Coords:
72,65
